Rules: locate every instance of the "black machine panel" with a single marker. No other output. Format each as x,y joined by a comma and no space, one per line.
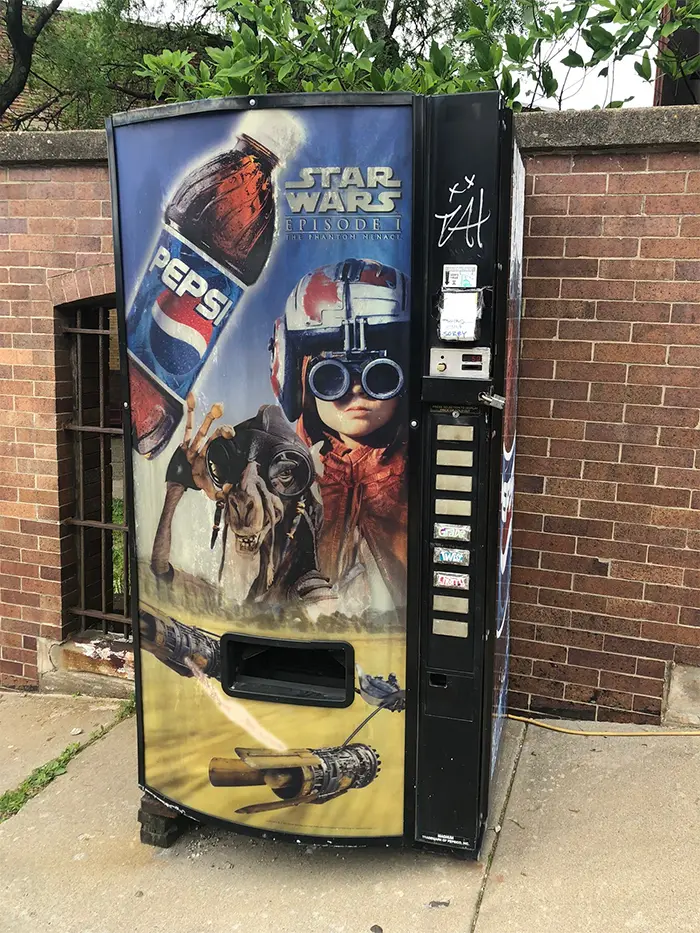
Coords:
469,156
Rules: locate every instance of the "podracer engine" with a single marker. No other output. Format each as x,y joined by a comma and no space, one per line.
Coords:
297,775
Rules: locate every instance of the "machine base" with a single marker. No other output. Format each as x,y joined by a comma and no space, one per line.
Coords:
160,825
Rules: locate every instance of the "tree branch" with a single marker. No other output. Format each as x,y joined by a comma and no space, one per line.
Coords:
22,44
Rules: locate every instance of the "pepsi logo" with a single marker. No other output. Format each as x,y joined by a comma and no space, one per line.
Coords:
179,335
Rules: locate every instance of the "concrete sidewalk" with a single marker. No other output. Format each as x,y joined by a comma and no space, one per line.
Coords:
597,834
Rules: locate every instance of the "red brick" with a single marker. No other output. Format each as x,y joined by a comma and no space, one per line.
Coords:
621,433
584,449
669,437
675,518
539,541
638,269
654,495
646,573
624,205
589,621
607,550
583,602
690,226
608,289
577,638
567,673
523,684
609,586
641,226
541,288
547,427
601,246
543,246
563,268
540,650
557,486
557,349
539,388
674,161
610,163
598,660
672,204
613,699
545,164
624,394
677,417
542,205
659,456
583,527
570,226
636,685
571,184
664,375
648,183
573,563
587,411
651,311
560,308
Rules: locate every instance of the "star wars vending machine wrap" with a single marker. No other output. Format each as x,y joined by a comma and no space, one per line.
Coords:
265,259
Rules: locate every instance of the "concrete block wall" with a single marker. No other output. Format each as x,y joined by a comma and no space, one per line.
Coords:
606,582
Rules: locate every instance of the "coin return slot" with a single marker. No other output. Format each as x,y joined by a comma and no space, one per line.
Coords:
458,458
437,680
280,671
453,483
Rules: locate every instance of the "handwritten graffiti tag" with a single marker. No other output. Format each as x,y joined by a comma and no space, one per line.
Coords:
468,216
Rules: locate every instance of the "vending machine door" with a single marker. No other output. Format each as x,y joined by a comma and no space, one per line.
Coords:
264,262
468,234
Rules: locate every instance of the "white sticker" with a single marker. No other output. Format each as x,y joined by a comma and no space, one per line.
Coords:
459,276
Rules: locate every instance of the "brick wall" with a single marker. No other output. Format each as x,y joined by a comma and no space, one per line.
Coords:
606,587
52,219
606,583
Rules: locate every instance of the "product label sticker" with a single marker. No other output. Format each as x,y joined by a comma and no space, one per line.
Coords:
451,555
459,276
457,532
455,581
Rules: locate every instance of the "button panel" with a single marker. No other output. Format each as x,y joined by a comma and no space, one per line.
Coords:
454,485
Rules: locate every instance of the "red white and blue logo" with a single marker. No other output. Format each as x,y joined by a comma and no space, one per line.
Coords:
179,335
181,305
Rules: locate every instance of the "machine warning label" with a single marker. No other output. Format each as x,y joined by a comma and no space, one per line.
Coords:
459,276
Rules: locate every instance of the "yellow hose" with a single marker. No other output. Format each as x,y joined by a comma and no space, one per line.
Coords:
612,735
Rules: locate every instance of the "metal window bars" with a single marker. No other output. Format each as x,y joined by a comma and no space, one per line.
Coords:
99,514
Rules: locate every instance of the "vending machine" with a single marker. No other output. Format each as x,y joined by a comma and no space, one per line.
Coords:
319,301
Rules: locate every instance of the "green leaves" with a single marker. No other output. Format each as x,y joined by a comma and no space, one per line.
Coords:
278,45
643,68
572,60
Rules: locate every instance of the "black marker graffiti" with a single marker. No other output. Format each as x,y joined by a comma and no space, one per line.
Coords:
465,218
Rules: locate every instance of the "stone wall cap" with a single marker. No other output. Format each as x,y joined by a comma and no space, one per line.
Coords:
644,127
53,146
542,131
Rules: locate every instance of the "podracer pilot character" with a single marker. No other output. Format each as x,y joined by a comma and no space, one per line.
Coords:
338,368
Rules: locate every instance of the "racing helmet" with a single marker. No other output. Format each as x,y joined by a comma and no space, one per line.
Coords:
348,320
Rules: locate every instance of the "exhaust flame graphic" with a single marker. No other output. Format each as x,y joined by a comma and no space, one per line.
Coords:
235,710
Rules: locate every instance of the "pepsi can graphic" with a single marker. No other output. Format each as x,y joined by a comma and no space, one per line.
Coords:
217,234
181,306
